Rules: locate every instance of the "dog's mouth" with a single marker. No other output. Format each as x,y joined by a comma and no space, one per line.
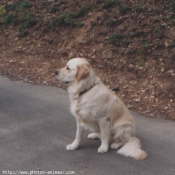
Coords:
62,80
67,82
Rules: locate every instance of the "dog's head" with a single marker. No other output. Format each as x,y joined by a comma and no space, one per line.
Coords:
76,69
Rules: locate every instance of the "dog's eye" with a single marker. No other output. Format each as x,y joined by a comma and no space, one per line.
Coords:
68,68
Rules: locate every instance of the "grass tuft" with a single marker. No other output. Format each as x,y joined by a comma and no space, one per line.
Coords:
26,4
114,39
139,8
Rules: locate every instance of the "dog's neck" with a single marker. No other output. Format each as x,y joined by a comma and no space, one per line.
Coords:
77,89
86,90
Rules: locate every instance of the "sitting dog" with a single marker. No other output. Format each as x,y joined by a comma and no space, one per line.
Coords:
99,109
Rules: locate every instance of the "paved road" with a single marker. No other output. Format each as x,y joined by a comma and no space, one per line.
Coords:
36,126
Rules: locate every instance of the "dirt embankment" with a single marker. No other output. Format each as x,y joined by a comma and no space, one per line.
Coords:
131,44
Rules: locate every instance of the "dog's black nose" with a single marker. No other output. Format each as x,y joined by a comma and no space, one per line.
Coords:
56,72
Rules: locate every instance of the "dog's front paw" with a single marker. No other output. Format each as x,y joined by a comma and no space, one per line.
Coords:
72,146
102,149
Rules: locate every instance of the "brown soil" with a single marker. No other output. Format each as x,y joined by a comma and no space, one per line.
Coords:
141,61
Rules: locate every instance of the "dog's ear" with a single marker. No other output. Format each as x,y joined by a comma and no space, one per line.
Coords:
82,72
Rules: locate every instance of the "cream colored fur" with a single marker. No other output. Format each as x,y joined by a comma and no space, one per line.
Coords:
100,110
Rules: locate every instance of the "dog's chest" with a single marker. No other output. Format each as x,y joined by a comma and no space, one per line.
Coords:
84,111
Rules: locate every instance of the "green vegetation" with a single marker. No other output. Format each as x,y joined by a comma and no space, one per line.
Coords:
123,10
145,48
110,3
65,19
114,39
50,41
16,14
12,6
139,8
157,11
159,31
137,34
126,43
54,9
2,11
20,13
22,31
28,20
60,2
82,12
112,23
68,19
144,42
9,18
172,6
26,4
70,14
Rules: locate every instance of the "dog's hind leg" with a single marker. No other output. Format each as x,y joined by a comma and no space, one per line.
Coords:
94,136
122,135
117,144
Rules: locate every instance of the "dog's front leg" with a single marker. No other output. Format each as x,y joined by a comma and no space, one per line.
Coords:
104,124
79,134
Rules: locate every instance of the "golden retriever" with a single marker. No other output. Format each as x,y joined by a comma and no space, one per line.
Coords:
99,109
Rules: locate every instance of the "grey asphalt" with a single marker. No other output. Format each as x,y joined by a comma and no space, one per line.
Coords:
36,126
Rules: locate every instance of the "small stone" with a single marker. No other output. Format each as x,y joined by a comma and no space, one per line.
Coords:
45,82
71,55
129,106
171,100
166,108
12,61
137,100
162,70
170,71
39,44
25,80
90,14
166,44
94,51
151,115
21,69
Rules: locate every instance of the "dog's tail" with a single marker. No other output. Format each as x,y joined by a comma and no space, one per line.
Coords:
132,149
